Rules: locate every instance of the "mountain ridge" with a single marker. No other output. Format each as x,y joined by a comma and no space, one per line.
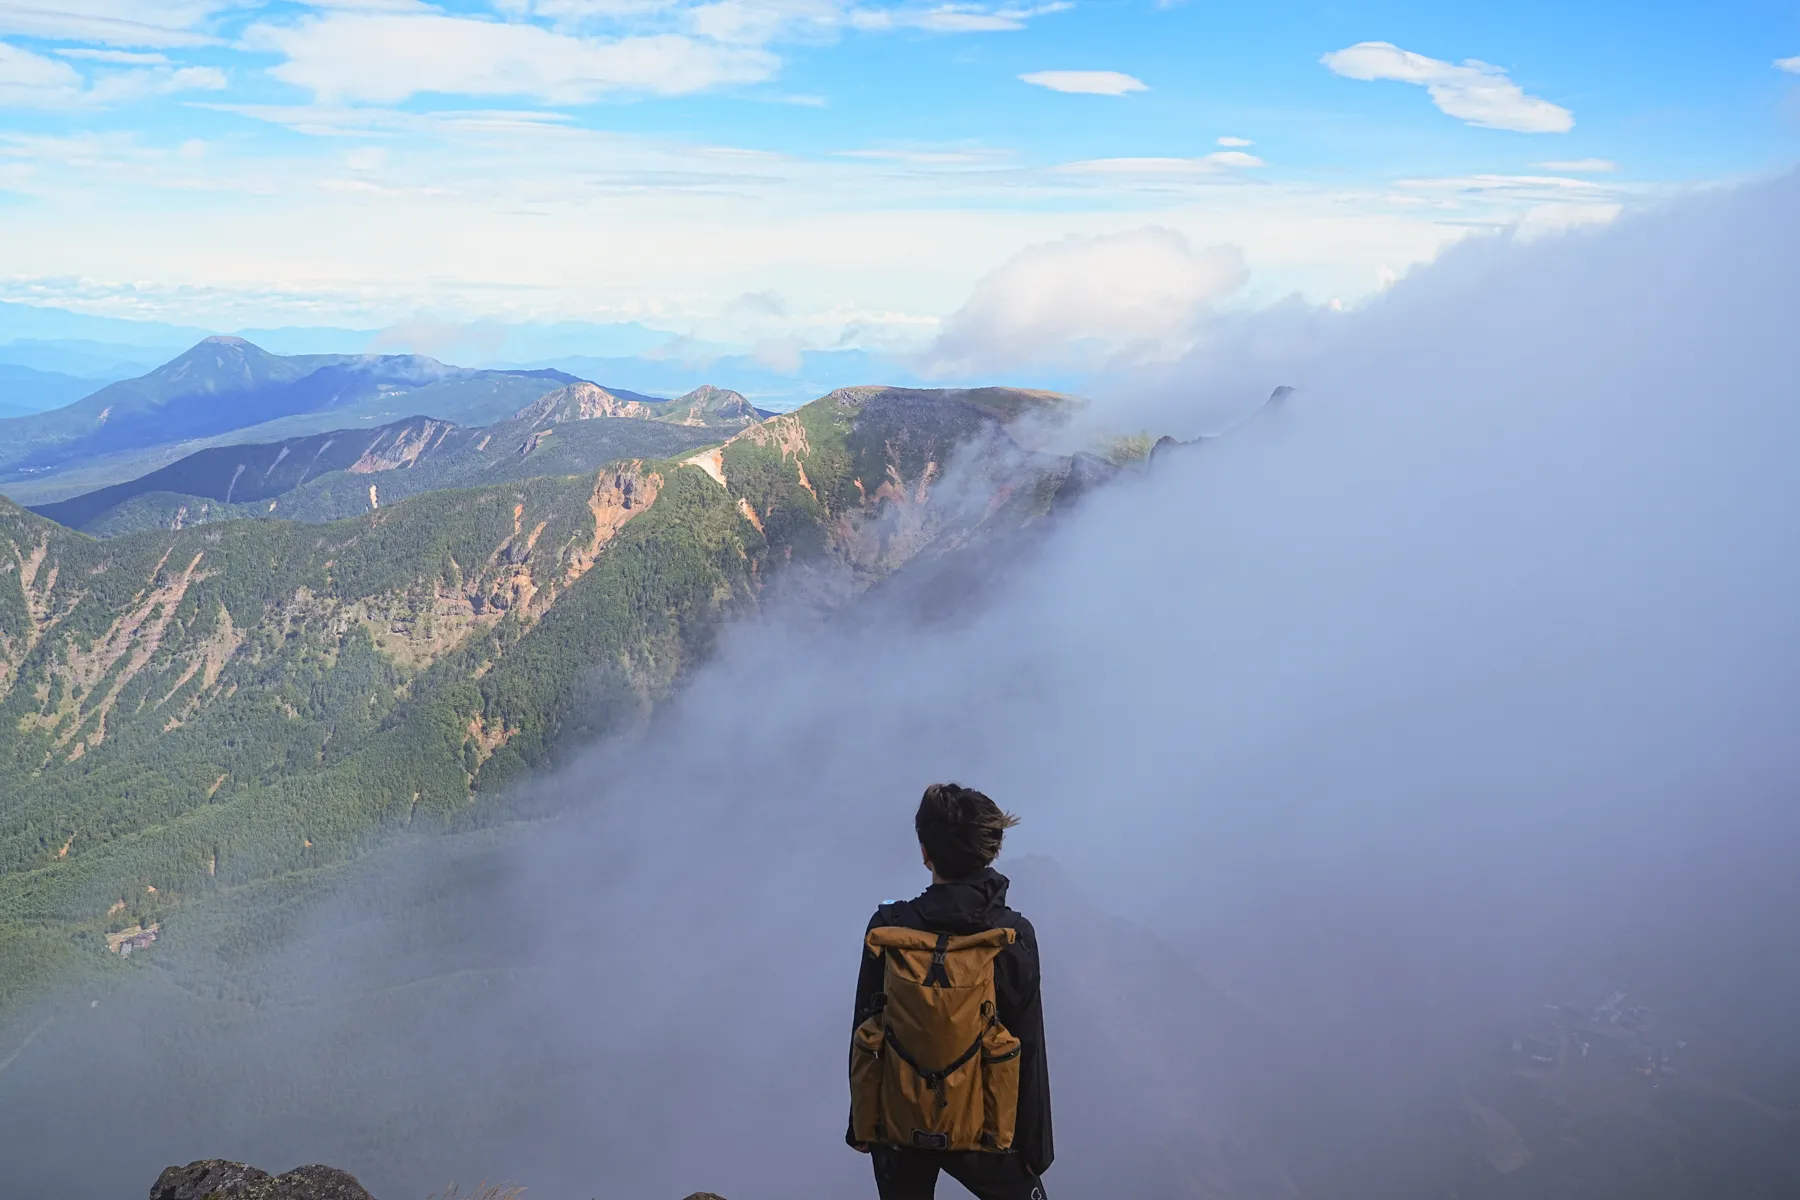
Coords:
572,429
224,382
192,709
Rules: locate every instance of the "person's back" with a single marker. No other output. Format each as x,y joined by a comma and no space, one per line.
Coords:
962,970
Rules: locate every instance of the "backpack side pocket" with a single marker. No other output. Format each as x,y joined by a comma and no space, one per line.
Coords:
866,1046
999,1087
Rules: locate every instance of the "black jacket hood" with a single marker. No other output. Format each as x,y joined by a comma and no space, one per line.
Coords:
964,905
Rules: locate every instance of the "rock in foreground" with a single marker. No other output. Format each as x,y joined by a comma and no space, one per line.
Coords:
216,1179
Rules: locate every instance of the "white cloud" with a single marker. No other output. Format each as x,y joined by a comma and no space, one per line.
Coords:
952,18
1531,185
1086,83
127,57
367,158
1476,92
1235,141
1534,205
1581,166
30,80
780,354
1547,219
930,158
1132,296
386,58
1791,65
1209,164
757,22
115,22
965,18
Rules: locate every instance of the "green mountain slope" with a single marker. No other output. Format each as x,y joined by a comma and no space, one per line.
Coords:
323,477
186,711
328,476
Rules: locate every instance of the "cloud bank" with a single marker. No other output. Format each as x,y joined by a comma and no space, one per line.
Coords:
1087,300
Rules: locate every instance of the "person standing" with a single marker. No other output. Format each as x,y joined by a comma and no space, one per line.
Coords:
947,1064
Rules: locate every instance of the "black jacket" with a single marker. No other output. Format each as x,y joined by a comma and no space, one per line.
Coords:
970,906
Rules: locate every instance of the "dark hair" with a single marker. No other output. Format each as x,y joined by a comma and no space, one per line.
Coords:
960,829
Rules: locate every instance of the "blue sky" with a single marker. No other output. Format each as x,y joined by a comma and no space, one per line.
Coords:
793,173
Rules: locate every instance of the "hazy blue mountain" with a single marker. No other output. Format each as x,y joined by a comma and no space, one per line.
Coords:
100,363
33,321
226,383
25,390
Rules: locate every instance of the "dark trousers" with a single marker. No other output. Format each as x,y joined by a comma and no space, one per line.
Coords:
912,1174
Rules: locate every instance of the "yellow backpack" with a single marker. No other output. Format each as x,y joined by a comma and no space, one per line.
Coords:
933,1068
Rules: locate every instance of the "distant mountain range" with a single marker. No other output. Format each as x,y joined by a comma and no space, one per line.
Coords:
225,384
621,354
227,390
322,477
27,390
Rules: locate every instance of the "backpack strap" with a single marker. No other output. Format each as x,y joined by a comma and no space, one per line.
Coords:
937,976
934,1079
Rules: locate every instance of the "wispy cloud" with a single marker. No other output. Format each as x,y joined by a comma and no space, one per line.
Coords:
1475,92
930,158
1791,65
760,22
1086,83
954,18
143,58
114,22
1208,164
1581,166
389,58
1527,184
30,80
1235,141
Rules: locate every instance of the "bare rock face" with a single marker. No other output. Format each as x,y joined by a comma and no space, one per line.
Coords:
207,1179
216,1179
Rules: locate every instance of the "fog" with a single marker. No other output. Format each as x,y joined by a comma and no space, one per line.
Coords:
1460,680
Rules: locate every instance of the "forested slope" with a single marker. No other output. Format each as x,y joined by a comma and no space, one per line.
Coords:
186,711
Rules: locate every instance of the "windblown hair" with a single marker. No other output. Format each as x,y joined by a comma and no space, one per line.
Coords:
960,829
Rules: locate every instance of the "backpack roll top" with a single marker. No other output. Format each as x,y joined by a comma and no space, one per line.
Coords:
939,1067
